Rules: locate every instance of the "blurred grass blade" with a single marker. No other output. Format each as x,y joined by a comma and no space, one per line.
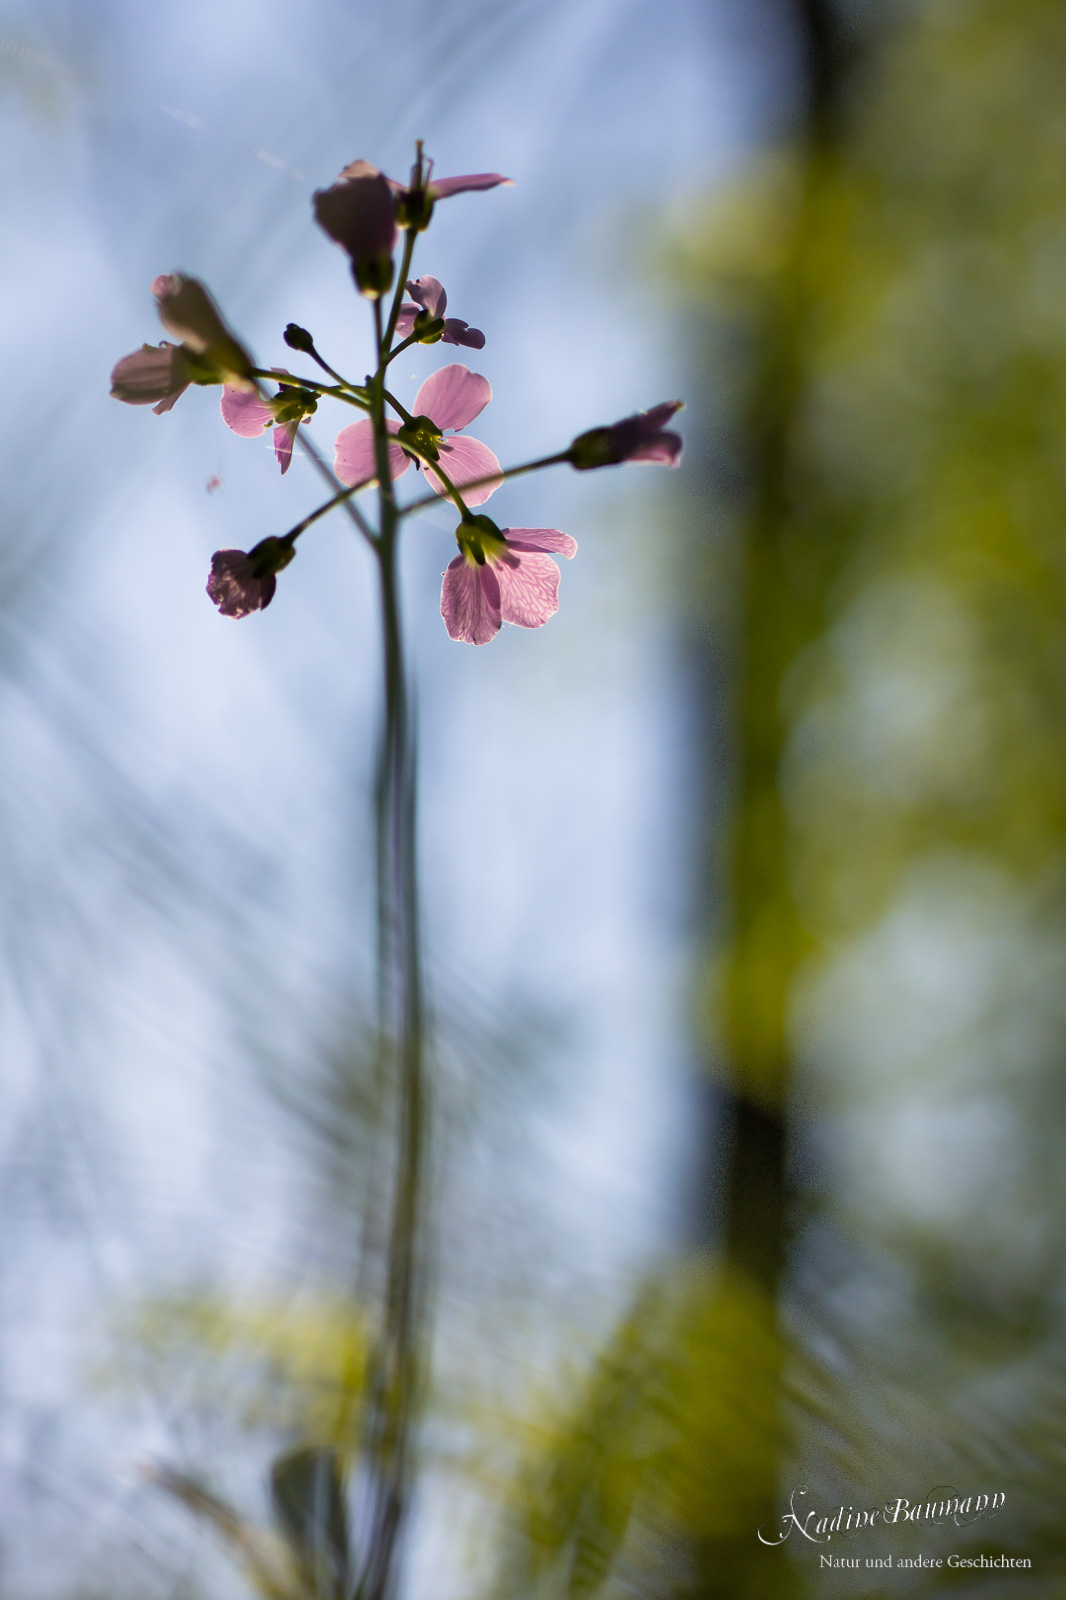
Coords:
307,1492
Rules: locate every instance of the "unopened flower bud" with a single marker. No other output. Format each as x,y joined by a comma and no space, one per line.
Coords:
358,213
244,581
638,438
152,373
188,312
298,338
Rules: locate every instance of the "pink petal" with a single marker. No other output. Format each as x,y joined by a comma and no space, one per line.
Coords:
541,539
665,447
234,588
405,322
429,292
529,591
453,396
470,602
465,460
354,461
456,331
441,188
244,412
284,439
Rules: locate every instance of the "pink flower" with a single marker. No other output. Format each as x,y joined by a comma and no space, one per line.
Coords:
359,213
188,312
431,304
249,415
637,438
244,581
501,575
449,399
154,372
415,202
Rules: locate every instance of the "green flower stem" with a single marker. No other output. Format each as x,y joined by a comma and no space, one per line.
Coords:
322,468
400,410
313,353
453,492
401,284
396,1368
350,393
320,511
412,338
477,483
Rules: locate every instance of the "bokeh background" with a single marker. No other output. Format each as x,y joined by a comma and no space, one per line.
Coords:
745,879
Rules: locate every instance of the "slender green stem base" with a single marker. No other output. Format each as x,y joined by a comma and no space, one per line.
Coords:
397,1363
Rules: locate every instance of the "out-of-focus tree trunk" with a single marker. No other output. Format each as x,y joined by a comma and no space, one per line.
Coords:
779,610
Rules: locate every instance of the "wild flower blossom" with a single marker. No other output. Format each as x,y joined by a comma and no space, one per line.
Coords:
243,581
415,199
449,399
154,372
501,575
249,415
359,213
208,352
188,312
637,438
427,317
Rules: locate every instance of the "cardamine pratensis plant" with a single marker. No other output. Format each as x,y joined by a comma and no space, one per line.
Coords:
500,575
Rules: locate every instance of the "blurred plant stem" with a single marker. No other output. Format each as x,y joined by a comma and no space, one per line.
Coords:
395,1366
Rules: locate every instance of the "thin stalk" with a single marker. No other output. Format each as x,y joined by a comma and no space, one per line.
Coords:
476,483
409,238
350,393
397,1361
405,344
400,409
320,511
322,468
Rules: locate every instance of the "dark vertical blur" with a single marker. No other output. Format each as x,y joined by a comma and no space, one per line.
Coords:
891,518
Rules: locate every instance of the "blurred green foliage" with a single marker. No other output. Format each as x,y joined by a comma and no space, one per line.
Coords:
885,318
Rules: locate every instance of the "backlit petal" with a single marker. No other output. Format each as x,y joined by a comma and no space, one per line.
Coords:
358,212
284,439
233,587
470,602
244,412
429,292
453,396
465,460
665,448
441,188
529,591
541,539
405,322
155,372
459,332
354,460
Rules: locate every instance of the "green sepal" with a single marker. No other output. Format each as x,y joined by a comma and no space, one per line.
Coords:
593,449
427,329
292,404
414,209
479,537
270,555
374,278
422,437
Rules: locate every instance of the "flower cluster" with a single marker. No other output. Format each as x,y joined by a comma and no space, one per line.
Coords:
500,574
